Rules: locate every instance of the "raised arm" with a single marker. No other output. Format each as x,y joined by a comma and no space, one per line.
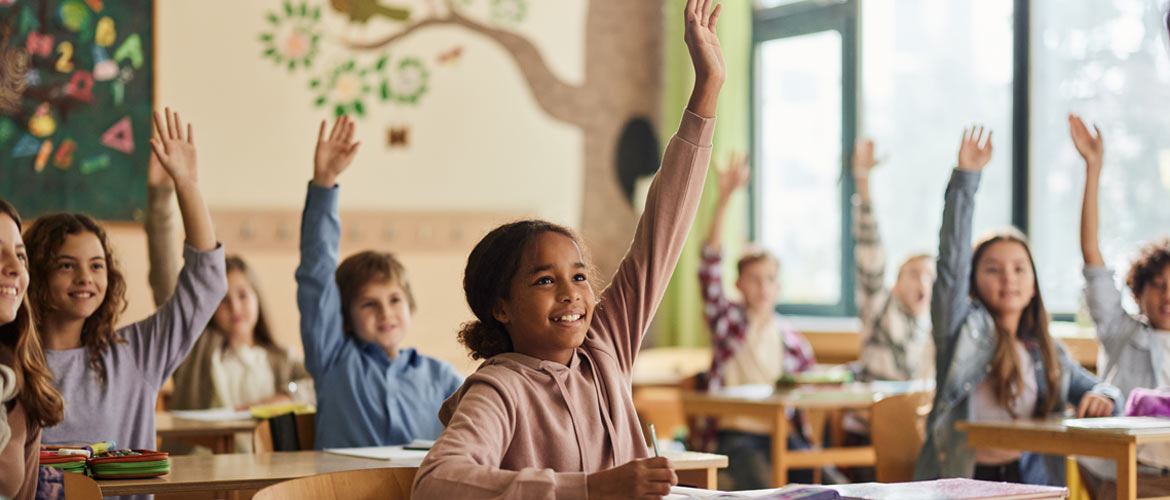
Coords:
161,243
176,151
319,300
731,179
949,303
625,309
163,340
1092,149
868,254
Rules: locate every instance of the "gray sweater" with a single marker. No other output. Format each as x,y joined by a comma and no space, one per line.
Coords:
123,409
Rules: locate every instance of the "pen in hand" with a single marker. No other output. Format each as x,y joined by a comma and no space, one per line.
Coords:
654,440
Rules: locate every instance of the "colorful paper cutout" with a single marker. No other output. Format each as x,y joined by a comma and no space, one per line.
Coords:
64,157
33,77
28,21
65,62
42,123
106,34
74,15
25,147
7,130
43,155
104,69
130,49
96,5
119,90
91,165
120,136
80,87
39,44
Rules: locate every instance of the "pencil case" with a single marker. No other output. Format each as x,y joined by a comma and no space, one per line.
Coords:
67,463
130,464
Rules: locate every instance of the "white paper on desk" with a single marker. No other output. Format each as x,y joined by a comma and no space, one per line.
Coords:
212,415
1118,423
394,454
684,493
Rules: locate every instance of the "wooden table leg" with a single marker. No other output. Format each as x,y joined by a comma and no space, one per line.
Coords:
1127,472
779,447
705,479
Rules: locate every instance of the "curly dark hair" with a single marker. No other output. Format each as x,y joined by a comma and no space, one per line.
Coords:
43,240
488,276
1151,260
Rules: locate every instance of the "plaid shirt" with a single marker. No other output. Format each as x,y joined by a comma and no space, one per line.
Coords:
728,325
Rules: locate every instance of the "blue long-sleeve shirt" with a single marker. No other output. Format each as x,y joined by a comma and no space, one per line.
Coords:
363,397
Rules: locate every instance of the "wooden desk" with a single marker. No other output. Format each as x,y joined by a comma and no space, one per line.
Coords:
768,404
1053,437
246,471
217,435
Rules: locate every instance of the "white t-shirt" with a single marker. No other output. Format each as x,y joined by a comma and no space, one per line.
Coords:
242,376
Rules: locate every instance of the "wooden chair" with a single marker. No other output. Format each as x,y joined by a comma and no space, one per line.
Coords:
262,441
898,428
383,484
81,487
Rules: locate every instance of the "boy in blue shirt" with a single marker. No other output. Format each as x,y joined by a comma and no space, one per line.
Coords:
369,391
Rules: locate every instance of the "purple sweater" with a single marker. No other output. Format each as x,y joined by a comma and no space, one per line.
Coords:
123,409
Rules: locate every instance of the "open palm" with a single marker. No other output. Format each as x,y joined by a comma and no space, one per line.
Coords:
702,42
174,148
335,152
975,151
1091,148
735,176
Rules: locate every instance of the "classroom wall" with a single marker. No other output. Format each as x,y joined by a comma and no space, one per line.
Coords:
480,147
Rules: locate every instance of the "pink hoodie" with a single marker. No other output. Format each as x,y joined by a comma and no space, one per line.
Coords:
525,428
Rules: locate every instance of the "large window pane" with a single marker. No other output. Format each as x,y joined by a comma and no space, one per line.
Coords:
930,68
1106,61
798,137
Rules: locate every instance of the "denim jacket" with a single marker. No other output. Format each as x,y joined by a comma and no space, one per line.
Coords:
965,340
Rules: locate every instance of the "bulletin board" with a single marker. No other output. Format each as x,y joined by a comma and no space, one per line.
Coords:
79,141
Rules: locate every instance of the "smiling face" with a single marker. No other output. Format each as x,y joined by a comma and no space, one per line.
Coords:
379,313
78,277
759,284
239,311
1004,279
1155,299
13,269
550,303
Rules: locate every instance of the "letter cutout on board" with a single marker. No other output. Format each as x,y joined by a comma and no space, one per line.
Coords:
43,155
106,34
26,146
39,44
64,157
81,86
91,165
130,49
120,137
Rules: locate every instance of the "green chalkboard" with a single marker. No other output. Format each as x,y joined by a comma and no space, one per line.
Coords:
79,143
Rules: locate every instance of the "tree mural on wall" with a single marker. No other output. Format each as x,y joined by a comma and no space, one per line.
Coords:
620,91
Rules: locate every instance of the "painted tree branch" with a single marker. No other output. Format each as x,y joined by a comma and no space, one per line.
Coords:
560,100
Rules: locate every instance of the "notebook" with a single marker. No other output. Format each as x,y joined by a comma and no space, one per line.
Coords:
790,492
394,454
1118,423
949,489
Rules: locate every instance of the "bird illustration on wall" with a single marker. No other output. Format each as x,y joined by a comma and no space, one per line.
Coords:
361,11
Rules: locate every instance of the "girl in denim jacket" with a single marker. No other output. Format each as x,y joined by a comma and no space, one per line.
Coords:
994,356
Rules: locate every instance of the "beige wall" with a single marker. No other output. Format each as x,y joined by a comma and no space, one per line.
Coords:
479,144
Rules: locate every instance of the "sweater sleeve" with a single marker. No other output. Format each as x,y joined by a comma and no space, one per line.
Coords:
464,462
870,260
162,245
1115,327
161,342
626,307
318,298
949,303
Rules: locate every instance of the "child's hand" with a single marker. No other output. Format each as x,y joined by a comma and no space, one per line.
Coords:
734,177
175,151
156,175
706,56
648,478
1094,405
1091,148
974,156
334,153
863,161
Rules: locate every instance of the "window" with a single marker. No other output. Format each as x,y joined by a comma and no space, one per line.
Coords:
803,115
928,70
1106,61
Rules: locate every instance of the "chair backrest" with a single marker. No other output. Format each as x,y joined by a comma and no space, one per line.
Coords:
898,428
265,440
383,484
81,487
